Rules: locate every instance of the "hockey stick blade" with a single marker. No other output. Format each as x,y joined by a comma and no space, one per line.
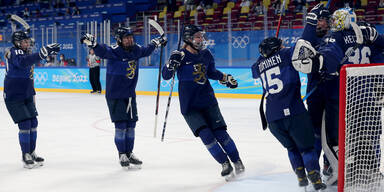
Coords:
358,33
156,26
21,21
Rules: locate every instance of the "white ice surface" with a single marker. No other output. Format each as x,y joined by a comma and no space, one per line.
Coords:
75,136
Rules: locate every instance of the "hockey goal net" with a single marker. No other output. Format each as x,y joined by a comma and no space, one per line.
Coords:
361,163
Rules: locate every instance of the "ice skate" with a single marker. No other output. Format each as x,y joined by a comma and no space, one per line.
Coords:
239,167
28,161
315,178
38,160
135,163
124,161
301,177
227,171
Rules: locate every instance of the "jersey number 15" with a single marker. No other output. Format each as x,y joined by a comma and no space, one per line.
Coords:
273,85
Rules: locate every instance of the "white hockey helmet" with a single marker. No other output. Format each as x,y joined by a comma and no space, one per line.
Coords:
342,19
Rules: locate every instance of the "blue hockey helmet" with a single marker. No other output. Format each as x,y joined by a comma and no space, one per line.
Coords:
18,36
270,46
188,33
122,32
325,14
323,28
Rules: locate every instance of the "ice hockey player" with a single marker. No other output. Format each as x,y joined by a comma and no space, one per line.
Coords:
287,118
121,81
19,92
194,65
318,103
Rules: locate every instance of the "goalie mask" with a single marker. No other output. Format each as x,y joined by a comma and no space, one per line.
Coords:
21,40
342,19
124,38
270,46
194,36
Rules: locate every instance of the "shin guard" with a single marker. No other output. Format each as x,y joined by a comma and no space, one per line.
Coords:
213,147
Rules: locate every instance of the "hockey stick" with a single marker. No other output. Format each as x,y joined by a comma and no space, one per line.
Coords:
172,84
158,92
154,24
328,4
282,9
15,18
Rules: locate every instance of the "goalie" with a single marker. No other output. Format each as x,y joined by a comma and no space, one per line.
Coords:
347,43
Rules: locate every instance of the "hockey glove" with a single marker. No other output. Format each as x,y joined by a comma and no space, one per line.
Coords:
305,58
313,16
175,60
50,49
228,81
369,34
162,40
88,39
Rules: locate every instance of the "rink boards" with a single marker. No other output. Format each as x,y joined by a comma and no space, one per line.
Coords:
76,80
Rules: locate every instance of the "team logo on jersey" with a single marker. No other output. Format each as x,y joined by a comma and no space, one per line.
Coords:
31,72
131,69
199,71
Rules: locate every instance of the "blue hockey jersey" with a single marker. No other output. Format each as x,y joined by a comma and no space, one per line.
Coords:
195,90
18,81
337,45
309,34
281,82
122,68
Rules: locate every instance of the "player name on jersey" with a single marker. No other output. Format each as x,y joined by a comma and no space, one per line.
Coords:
349,39
267,63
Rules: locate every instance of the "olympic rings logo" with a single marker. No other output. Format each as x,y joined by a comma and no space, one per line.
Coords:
240,41
167,83
40,78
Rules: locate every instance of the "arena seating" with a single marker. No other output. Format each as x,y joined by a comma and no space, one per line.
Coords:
215,18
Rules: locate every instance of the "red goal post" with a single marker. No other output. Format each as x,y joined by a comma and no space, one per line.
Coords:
360,128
